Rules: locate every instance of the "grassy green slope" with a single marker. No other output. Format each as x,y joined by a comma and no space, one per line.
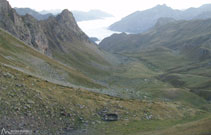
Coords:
86,57
16,54
174,55
198,127
50,108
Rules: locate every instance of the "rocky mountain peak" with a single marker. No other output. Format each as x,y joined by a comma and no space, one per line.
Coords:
67,20
66,12
26,28
4,3
68,24
43,35
66,15
162,7
4,6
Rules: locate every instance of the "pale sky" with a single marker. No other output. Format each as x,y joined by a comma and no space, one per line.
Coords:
115,7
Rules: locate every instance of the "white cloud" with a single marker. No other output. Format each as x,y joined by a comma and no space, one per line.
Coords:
116,7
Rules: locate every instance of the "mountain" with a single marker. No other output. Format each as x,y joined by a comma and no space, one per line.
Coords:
59,34
180,49
90,15
205,15
53,11
54,80
33,90
81,15
25,28
164,21
94,39
58,37
142,21
167,32
35,14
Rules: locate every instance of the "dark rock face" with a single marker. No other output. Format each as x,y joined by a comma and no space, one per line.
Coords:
25,28
38,38
62,28
42,35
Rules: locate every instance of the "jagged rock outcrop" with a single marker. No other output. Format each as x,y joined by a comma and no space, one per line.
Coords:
43,35
62,28
58,37
25,28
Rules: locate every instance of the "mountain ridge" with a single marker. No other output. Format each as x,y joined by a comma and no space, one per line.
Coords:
58,37
35,14
141,21
90,15
78,15
178,49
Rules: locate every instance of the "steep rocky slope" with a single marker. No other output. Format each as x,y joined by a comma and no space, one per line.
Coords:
25,28
31,31
58,37
15,54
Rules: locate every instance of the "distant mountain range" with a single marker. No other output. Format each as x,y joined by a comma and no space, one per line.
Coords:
181,36
79,15
178,48
142,21
35,14
90,15
53,11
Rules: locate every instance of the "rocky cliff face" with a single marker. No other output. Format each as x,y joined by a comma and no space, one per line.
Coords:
62,28
25,28
58,37
42,35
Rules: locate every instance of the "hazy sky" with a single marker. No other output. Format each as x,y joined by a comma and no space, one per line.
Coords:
115,7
